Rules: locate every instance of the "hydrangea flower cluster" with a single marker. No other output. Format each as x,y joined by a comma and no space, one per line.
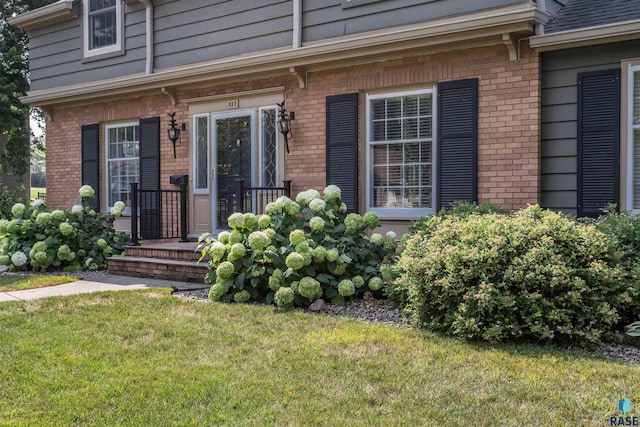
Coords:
296,252
86,191
38,239
118,208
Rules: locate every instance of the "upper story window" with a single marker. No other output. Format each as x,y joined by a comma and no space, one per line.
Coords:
400,153
102,26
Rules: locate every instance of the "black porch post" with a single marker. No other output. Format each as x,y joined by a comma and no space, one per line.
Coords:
183,212
287,187
134,214
239,195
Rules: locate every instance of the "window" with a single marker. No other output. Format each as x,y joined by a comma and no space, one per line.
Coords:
633,136
201,184
268,148
102,26
400,153
122,162
268,151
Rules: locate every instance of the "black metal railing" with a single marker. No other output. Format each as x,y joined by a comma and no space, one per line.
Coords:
162,214
42,196
254,199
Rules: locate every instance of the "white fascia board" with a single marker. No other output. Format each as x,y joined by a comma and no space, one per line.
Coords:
463,28
586,36
59,11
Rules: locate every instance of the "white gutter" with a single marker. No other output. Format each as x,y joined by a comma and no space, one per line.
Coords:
600,34
59,11
149,39
297,24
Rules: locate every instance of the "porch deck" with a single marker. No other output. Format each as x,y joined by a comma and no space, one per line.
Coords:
161,260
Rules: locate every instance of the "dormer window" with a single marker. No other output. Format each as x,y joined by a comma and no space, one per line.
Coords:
102,27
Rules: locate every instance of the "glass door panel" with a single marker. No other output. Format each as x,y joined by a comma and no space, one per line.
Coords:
233,160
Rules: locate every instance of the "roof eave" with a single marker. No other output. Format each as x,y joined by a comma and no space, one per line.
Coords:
515,20
601,34
57,12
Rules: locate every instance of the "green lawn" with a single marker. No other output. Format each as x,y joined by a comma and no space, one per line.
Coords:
36,190
149,359
9,282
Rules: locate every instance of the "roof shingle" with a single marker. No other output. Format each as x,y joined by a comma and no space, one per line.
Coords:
590,13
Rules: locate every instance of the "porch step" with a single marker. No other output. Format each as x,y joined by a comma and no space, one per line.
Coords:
158,268
167,261
185,252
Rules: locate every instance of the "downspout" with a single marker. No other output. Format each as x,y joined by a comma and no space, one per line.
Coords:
297,24
149,31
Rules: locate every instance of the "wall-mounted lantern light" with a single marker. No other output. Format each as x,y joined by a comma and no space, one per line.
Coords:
174,131
284,123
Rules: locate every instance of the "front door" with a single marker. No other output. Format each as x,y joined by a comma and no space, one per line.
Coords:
233,159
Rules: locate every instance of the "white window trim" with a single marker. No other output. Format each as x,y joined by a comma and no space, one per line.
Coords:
631,70
195,153
127,210
88,53
401,213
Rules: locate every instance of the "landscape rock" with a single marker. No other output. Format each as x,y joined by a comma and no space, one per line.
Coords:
318,305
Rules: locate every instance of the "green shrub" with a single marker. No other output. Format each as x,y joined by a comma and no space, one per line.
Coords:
624,229
458,209
77,239
534,274
298,251
9,198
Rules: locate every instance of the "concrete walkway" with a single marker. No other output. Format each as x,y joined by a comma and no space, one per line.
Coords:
108,282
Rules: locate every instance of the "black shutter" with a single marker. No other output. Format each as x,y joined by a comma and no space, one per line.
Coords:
91,161
598,141
150,224
342,146
457,142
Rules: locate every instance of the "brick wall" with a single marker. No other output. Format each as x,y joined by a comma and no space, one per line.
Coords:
509,115
64,167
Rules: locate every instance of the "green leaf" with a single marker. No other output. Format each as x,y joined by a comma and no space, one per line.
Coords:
339,229
227,284
275,259
344,258
330,292
269,298
240,281
255,281
324,278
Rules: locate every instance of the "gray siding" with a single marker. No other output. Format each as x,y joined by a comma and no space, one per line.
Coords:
185,32
200,30
559,115
191,31
327,18
56,53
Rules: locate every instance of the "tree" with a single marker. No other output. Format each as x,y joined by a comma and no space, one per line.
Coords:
14,83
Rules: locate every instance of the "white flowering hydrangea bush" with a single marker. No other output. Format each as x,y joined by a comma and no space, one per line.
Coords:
296,252
35,238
